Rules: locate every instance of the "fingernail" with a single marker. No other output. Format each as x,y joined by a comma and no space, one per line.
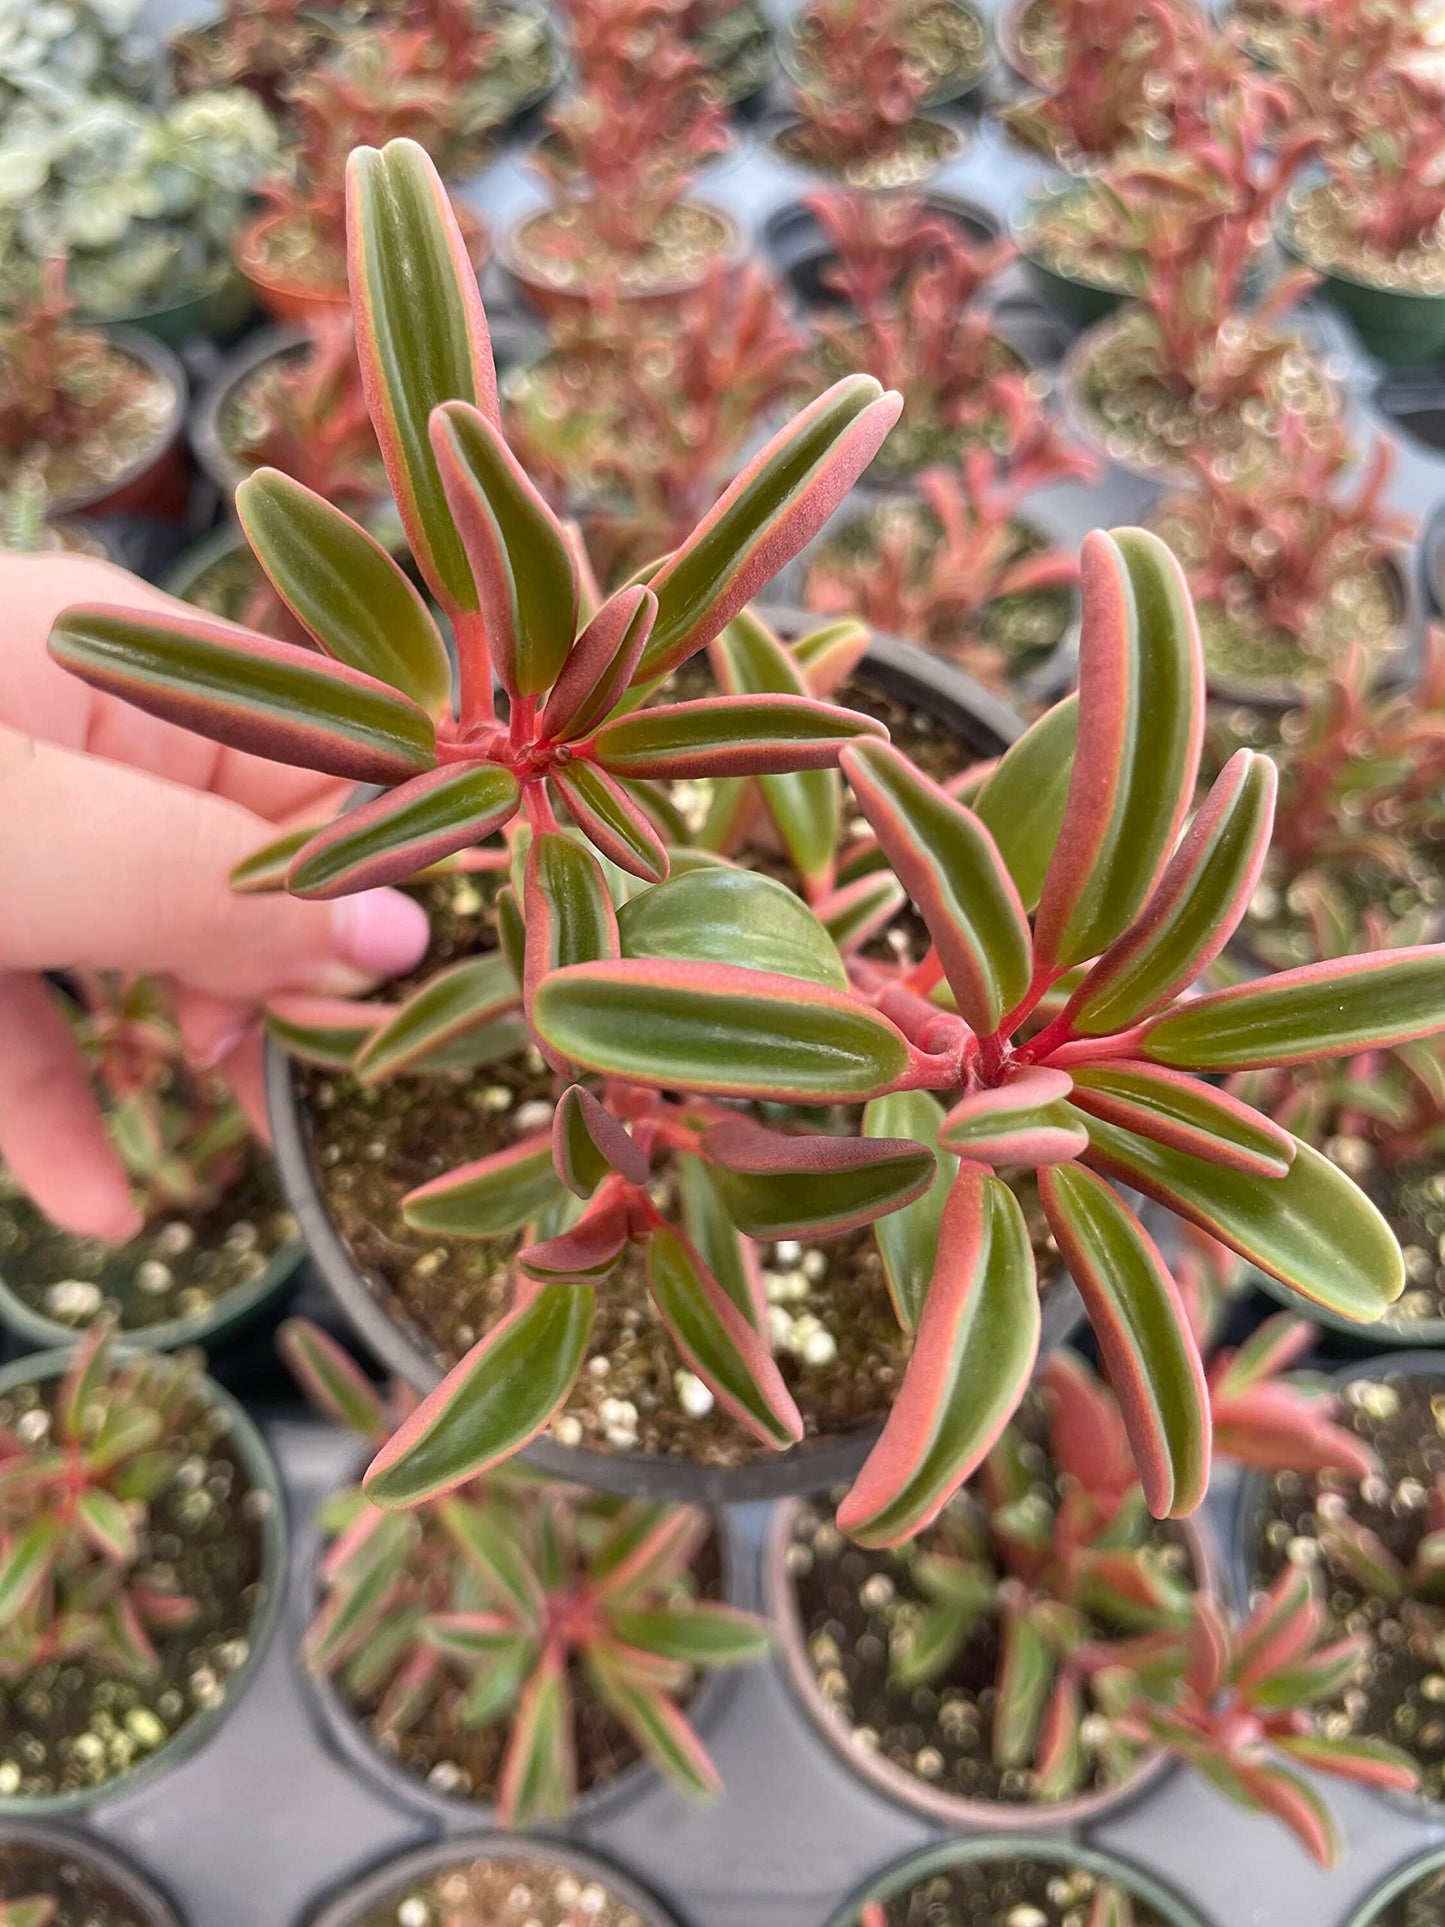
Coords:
230,1039
380,932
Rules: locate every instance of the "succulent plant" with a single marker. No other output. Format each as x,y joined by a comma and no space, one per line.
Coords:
1242,1712
144,203
57,54
496,1603
637,421
260,45
58,383
718,987
77,1576
304,415
861,76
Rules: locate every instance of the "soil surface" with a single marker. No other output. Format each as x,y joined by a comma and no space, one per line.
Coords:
832,1326
83,1895
64,1727
135,432
181,1266
554,249
920,149
1067,233
1399,1695
500,1893
1008,1893
1322,231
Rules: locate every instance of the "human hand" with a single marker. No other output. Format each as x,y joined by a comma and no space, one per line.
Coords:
117,835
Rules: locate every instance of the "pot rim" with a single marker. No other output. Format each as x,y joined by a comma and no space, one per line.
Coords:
91,1850
778,123
1249,1500
274,1532
1285,235
1142,1884
1393,1885
215,459
1019,229
166,366
344,1907
509,253
345,1736
948,1809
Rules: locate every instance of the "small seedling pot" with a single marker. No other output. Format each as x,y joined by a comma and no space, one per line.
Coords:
455,1814
390,1881
539,293
263,1477
1395,1887
1249,1506
208,444
1398,327
903,1877
799,254
288,298
984,726
58,1847
153,486
931,1803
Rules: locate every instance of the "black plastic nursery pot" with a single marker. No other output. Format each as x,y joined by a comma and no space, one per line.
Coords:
902,1880
799,253
1414,402
451,1814
264,1482
1400,1886
952,1811
983,726
376,1899
77,1871
153,483
1251,1504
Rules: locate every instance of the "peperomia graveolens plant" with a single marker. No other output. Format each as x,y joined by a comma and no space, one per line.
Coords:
667,1015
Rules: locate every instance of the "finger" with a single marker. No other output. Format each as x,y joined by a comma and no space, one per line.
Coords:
40,698
210,1027
245,1071
52,1134
117,870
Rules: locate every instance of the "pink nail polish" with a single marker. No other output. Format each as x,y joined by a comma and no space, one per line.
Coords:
229,1040
380,932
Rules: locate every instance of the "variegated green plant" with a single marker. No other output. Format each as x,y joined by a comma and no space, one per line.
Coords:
1069,885
492,1605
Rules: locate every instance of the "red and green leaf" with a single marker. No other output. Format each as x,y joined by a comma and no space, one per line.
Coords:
777,1185
462,1017
717,914
908,1239
1021,803
331,1378
1185,1114
406,830
588,1142
728,736
489,1197
1025,1121
595,676
611,819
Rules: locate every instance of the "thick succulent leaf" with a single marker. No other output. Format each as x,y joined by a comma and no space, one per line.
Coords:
776,1185
487,1540
1143,1333
520,561
1273,1789
1312,1229
588,1142
1141,715
85,1375
1021,802
726,916
596,674
975,1346
718,1342
475,1638
512,931
568,910
1367,1761
1025,1121
272,699
26,1566
610,818
331,1378
421,339
489,1197
769,513
715,1238
263,873
344,589
586,1252
327,1031
861,909
106,1523
1186,1113
720,1029
806,805
501,1394
1330,1009
950,866
441,1025
1025,1680
702,1634
656,1724
729,736
829,655
1191,916
1060,1761
539,1771
908,1239
650,1546
406,830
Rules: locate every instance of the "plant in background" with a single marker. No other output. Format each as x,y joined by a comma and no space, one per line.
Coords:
637,421
1243,1710
622,150
305,415
717,985
498,1604
914,317
936,569
36,1911
78,1577
260,45
734,42
1284,550
56,55
145,203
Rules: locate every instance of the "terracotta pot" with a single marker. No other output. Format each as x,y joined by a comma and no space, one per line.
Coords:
931,1803
155,483
290,300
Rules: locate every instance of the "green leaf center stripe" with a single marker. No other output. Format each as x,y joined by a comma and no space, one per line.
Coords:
738,917
406,830
722,735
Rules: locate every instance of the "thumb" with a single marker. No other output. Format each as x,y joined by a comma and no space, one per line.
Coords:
120,870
